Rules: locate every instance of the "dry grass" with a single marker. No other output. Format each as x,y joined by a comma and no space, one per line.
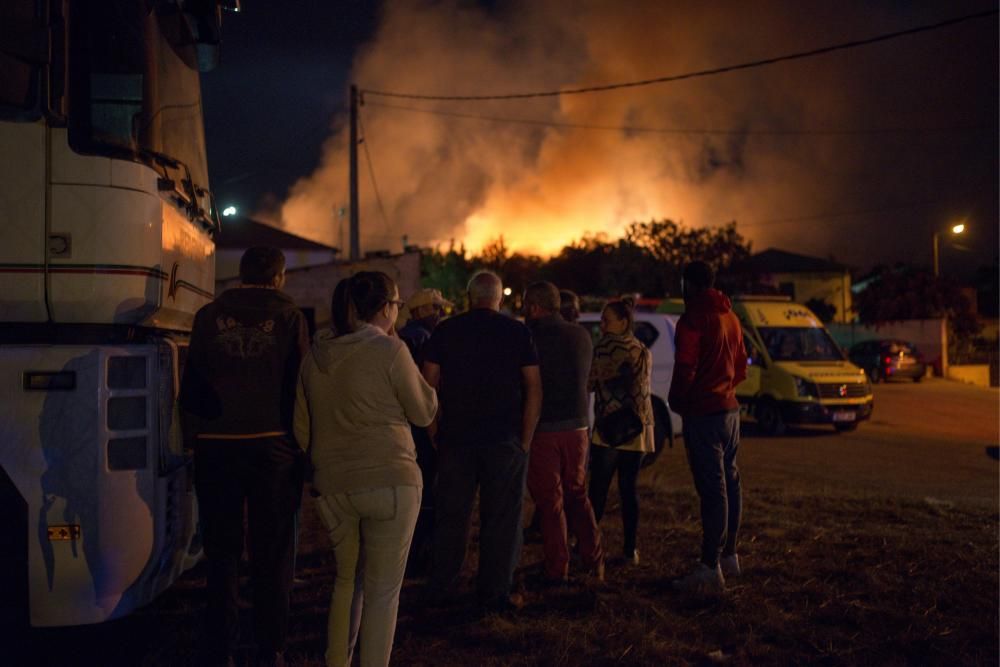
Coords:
829,579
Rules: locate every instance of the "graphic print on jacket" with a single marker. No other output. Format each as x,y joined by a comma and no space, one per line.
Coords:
238,340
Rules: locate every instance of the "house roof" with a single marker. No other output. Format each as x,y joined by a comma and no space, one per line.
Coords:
773,260
239,232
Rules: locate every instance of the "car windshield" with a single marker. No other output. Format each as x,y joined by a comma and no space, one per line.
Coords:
800,344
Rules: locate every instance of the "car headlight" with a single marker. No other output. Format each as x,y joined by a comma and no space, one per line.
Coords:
806,388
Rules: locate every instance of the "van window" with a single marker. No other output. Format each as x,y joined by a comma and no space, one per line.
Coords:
754,357
800,344
644,331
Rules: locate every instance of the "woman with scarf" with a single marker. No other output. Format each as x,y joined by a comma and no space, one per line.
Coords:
623,417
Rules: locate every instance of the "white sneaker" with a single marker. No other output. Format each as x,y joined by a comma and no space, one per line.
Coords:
730,566
704,579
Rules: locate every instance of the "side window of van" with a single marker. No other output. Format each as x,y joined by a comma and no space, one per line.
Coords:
754,357
646,333
593,327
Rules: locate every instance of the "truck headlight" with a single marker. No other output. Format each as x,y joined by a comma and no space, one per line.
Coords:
806,388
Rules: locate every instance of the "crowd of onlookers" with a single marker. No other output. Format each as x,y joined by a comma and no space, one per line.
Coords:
401,431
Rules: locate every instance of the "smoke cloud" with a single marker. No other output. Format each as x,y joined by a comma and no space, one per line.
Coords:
809,155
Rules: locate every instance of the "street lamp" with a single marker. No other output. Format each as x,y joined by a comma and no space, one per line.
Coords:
956,229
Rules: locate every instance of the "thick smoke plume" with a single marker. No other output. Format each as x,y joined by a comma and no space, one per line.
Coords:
803,140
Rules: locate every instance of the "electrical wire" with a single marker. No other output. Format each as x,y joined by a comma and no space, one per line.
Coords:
691,75
671,130
371,174
823,217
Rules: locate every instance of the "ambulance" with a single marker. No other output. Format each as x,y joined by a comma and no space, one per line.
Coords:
796,373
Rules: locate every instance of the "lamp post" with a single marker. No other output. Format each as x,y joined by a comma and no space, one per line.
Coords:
956,230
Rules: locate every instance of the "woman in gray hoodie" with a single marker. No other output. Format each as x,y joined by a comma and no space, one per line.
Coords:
358,392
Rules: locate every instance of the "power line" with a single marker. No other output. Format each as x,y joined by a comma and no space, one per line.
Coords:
671,130
371,173
843,214
691,75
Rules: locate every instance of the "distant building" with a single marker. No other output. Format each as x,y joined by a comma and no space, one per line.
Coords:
801,277
239,233
312,286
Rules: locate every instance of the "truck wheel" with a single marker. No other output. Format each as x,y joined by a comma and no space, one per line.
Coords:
769,417
663,431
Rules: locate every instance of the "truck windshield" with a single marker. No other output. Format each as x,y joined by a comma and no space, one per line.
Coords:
132,93
800,344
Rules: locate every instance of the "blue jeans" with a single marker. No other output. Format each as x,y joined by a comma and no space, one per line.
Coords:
498,471
373,526
712,442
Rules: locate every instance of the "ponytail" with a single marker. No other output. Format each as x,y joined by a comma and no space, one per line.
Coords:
358,299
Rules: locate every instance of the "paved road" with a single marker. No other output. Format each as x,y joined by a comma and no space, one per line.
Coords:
924,441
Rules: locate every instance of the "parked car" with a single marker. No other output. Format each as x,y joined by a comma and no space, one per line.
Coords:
656,332
889,358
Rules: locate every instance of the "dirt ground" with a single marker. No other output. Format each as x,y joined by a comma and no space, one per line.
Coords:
873,547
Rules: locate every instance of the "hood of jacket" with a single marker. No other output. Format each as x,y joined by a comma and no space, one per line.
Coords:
711,300
330,351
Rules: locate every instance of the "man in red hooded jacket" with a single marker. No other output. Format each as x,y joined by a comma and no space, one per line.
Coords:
709,362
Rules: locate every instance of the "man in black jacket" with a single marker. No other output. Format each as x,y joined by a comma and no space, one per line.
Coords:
238,395
557,466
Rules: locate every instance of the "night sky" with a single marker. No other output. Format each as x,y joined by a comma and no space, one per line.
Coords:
859,155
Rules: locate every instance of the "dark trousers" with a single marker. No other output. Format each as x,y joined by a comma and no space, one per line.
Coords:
265,474
423,536
712,442
498,471
604,462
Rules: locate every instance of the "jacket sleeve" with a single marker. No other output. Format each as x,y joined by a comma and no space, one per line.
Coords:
301,420
196,398
686,343
419,400
740,362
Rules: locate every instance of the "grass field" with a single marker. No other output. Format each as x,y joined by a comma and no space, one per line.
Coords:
873,548
829,579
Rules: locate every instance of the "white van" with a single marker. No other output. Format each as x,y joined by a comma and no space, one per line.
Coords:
655,331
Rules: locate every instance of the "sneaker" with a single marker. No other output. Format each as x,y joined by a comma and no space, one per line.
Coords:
704,579
270,659
510,604
730,566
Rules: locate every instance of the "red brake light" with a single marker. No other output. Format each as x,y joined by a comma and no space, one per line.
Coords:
888,360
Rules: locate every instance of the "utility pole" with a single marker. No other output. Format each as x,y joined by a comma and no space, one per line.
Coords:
355,240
